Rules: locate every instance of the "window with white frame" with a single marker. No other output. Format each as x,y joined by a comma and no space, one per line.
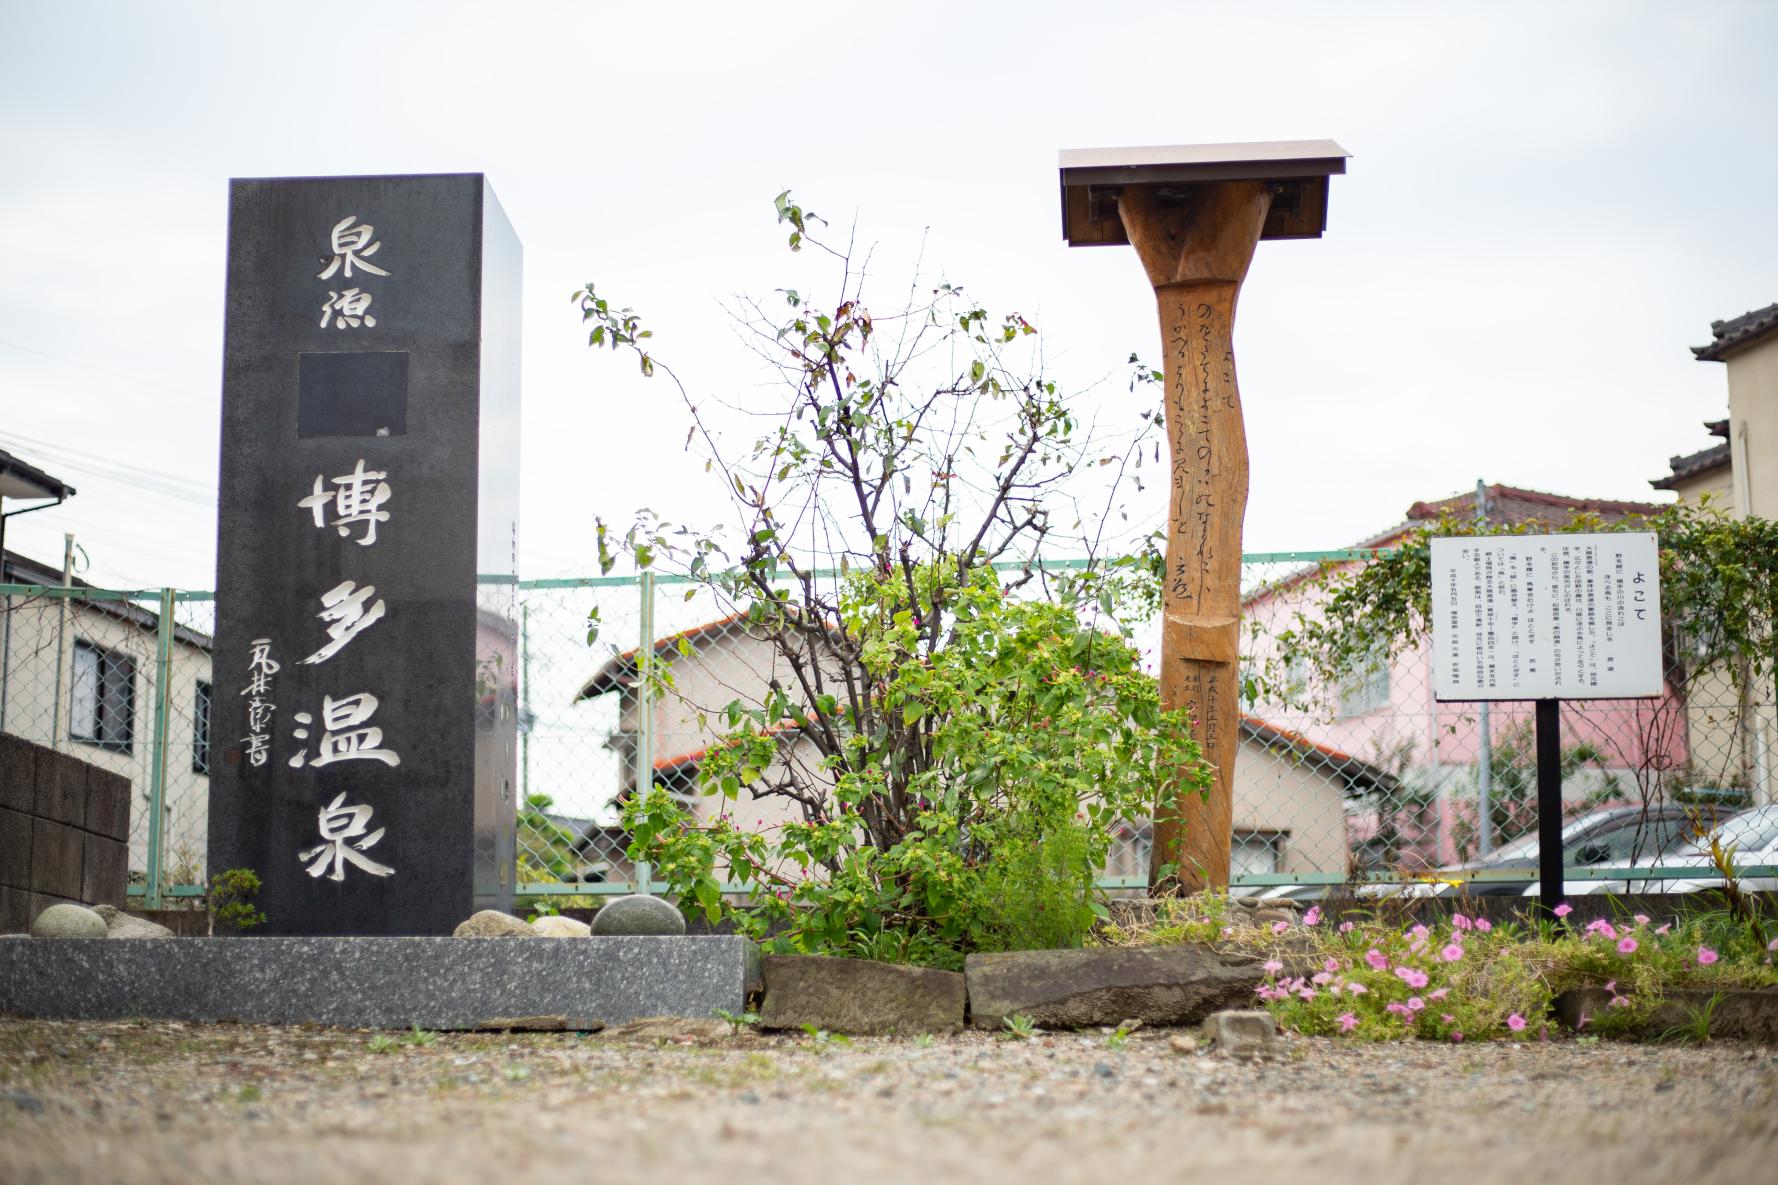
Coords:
1256,853
102,697
200,729
1365,687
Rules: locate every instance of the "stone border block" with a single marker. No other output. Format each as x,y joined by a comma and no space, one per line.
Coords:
1741,1014
56,855
104,870
859,996
108,804
15,910
1171,985
15,849
436,983
18,774
61,788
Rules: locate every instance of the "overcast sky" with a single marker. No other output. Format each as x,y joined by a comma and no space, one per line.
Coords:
1547,204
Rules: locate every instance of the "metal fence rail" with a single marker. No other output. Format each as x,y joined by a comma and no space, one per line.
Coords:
1363,778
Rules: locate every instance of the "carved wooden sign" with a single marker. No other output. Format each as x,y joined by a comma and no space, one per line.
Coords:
1194,215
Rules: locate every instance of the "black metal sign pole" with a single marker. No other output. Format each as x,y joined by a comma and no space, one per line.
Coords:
1549,805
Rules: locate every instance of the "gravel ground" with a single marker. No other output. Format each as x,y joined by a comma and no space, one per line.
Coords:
154,1102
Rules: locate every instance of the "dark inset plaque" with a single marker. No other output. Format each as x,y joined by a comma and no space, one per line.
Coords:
352,394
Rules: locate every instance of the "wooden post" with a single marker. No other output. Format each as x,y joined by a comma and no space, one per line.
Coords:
1196,250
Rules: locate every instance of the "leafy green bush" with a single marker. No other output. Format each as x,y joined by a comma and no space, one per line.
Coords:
1041,735
230,899
972,751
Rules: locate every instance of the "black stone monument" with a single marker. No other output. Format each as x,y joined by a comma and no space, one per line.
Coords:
364,725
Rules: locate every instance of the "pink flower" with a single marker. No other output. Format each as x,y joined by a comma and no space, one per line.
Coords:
1375,958
1663,928
1611,986
1313,917
1447,1018
1460,922
1706,956
1356,989
1411,976
1323,978
1484,925
1516,1023
1620,1001
1601,926
1772,945
1396,1007
1420,932
1415,1003
1642,919
1273,966
1451,953
1563,910
1227,930
1456,1038
1348,1022
1331,965
1438,995
1280,927
1307,993
1627,947
1346,927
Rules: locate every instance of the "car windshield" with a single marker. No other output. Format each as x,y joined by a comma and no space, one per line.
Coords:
1748,832
1525,846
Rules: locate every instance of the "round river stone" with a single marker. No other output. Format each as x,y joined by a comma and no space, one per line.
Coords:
491,923
638,914
68,921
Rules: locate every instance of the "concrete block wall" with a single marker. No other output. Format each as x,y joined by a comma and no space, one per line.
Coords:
64,832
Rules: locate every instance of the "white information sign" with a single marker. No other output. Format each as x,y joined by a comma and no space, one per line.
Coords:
1527,617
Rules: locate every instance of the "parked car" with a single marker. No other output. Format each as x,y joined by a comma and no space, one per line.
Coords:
1752,834
1609,836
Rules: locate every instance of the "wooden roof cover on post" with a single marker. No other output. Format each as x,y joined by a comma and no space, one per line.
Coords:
1297,170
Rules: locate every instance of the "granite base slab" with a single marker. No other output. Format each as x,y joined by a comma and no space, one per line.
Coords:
374,982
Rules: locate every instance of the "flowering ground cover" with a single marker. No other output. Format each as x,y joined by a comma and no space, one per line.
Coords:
1466,978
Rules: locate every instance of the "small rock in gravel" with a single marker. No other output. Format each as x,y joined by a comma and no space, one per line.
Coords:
24,1100
1242,1033
1183,1044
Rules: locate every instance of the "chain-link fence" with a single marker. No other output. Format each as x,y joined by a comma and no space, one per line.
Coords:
1363,777
121,680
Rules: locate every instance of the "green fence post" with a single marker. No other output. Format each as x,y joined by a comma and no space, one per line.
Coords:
645,711
157,753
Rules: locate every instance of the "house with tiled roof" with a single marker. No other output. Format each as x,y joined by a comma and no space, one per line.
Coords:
1707,472
710,666
1747,346
1739,474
